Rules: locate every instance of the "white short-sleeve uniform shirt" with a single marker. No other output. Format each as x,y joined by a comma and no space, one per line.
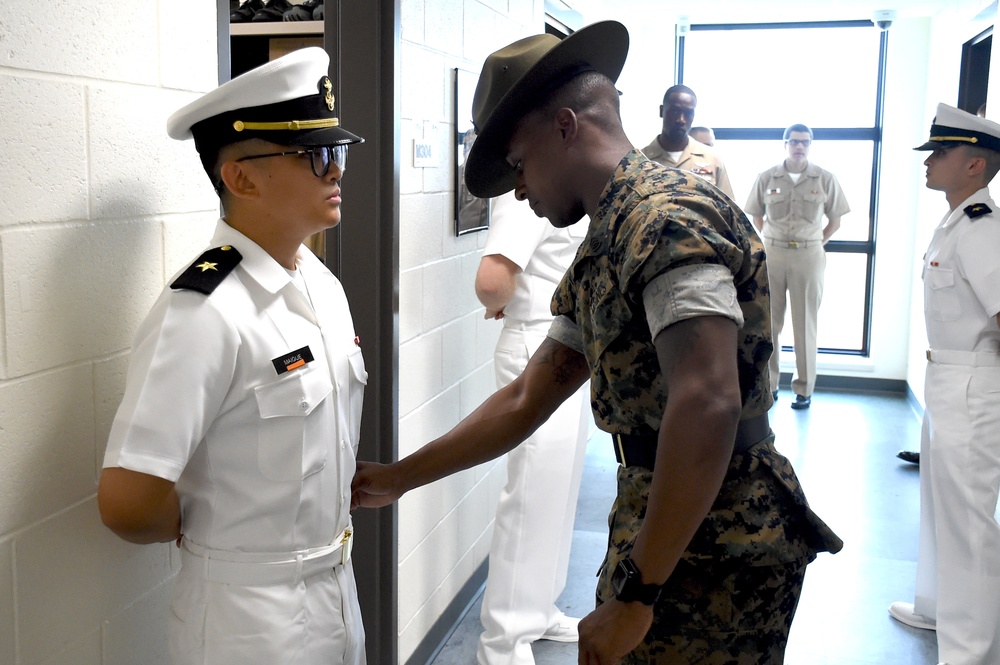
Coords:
262,459
962,279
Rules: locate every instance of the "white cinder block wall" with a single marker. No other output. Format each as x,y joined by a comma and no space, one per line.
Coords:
97,209
446,348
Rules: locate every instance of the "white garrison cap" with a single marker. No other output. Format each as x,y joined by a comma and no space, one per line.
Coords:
288,101
953,126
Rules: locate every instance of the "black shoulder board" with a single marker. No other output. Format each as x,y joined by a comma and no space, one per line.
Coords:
208,270
977,210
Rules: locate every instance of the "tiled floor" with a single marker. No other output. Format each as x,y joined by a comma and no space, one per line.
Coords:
843,450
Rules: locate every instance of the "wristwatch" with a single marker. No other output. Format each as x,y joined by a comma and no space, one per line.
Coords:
626,582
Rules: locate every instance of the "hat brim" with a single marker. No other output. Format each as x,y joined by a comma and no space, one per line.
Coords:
319,137
600,47
934,145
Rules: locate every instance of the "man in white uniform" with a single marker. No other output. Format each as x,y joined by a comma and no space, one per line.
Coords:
958,564
676,148
524,260
788,202
237,433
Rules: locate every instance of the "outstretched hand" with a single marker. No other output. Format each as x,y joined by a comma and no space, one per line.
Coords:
374,485
612,630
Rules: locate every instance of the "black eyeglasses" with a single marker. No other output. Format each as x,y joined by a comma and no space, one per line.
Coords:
320,156
794,142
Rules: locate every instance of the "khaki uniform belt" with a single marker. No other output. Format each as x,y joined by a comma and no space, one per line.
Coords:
640,449
263,569
967,358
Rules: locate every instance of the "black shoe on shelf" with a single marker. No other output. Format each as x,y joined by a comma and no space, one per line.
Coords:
801,402
244,12
302,11
911,456
272,11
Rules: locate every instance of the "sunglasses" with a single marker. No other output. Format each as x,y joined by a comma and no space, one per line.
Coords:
320,156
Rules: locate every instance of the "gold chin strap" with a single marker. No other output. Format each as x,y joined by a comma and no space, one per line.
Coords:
963,139
289,126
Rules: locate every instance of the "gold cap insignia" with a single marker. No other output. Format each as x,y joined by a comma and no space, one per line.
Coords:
326,88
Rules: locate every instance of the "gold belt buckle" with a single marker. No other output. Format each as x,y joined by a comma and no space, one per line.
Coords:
793,244
928,354
347,544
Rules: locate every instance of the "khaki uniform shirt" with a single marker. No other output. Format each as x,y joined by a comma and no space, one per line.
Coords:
793,211
697,158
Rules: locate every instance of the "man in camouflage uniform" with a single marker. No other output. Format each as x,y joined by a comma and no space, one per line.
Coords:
665,309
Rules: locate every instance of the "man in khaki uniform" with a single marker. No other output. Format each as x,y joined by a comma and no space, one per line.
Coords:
674,148
787,203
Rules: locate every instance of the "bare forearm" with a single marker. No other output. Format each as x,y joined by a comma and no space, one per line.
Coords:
496,281
758,223
139,508
503,421
830,229
693,454
697,436
496,427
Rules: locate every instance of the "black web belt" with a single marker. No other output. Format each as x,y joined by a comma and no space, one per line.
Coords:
640,449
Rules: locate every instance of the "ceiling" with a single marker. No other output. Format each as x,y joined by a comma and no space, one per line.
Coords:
767,11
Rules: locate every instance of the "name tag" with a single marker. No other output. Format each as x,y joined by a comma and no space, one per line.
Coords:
292,361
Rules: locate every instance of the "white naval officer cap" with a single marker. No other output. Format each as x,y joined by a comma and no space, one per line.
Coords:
288,101
954,126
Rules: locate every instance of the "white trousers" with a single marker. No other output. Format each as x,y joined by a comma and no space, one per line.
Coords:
958,564
795,276
529,555
314,621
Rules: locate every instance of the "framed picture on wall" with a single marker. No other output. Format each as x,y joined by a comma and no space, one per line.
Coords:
471,213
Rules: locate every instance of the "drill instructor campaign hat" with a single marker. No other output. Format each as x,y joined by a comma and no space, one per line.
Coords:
953,127
288,101
517,78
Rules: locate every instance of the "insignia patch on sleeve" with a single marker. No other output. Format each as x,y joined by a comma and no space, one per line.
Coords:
977,210
208,270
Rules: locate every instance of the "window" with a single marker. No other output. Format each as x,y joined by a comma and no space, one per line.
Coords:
754,80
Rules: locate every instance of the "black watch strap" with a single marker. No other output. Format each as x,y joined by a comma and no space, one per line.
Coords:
626,582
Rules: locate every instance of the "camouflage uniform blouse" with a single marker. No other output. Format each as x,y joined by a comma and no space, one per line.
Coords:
652,220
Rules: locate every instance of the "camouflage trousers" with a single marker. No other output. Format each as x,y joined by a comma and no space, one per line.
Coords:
711,611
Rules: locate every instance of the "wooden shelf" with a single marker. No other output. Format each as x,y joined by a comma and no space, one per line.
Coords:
276,28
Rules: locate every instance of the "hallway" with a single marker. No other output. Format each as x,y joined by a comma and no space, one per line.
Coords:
843,450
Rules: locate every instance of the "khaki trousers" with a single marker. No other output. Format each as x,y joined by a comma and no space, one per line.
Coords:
796,279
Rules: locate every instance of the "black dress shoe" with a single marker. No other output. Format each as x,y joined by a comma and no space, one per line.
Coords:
274,10
801,402
911,456
244,13
302,12
774,395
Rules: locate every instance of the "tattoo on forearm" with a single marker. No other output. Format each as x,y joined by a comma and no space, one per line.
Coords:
566,363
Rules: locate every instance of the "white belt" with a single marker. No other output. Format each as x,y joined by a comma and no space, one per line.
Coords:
264,568
793,244
967,358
